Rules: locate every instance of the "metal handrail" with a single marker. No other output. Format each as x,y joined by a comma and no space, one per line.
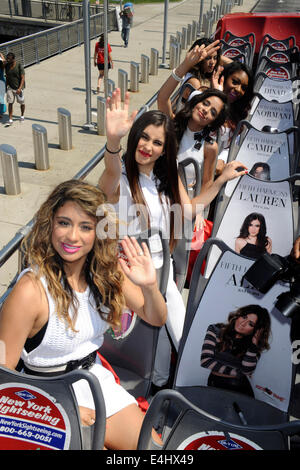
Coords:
53,10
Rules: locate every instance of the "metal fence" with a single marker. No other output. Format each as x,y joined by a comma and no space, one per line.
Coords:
13,246
46,9
32,49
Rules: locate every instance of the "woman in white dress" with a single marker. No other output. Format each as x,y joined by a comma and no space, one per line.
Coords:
73,290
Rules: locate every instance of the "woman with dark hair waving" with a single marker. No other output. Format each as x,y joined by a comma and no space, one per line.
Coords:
145,187
231,350
252,240
200,75
73,290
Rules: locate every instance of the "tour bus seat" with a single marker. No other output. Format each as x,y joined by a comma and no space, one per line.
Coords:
276,69
179,101
278,44
194,414
181,252
250,146
241,53
281,90
234,40
192,428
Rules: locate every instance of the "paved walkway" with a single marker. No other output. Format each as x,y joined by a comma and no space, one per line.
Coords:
60,82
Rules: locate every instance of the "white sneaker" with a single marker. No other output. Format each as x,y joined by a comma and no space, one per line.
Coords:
22,118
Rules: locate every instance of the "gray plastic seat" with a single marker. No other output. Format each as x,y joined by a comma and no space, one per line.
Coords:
234,40
276,69
242,53
251,146
181,252
278,44
194,415
193,428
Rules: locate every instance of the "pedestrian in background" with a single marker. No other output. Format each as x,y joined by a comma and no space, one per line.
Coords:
15,84
2,86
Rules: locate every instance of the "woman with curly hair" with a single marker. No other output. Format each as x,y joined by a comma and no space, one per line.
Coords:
73,289
231,350
253,241
236,81
237,84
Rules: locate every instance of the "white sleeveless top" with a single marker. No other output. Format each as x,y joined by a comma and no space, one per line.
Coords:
60,344
187,150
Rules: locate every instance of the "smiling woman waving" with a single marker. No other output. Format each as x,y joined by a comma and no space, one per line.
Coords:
73,289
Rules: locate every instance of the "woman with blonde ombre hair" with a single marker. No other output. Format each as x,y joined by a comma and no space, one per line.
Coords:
73,289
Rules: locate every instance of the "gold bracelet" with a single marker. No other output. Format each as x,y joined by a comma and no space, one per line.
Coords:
113,153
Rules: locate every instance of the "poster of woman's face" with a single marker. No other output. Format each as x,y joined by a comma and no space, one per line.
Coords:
261,171
271,150
246,333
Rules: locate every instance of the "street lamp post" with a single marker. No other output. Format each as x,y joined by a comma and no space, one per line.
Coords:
105,4
200,18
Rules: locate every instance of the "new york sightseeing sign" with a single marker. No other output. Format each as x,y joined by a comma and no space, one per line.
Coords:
30,419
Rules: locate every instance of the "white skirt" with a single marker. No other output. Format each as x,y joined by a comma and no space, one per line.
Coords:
115,396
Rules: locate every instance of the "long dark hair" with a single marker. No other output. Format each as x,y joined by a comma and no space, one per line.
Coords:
266,170
262,239
182,118
263,323
238,110
165,168
198,69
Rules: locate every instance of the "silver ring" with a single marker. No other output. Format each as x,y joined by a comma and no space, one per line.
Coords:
140,253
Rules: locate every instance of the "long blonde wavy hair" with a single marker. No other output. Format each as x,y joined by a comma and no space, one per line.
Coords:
101,267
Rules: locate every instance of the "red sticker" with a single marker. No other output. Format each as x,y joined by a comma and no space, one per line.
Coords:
232,52
237,42
278,73
279,46
279,57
